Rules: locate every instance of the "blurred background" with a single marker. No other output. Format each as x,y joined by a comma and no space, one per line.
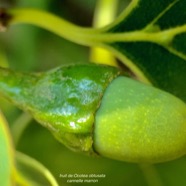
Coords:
28,48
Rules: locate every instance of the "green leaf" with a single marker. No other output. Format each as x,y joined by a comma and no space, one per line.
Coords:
161,67
140,13
6,154
149,37
33,172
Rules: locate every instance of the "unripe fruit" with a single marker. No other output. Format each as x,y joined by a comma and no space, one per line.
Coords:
139,123
95,110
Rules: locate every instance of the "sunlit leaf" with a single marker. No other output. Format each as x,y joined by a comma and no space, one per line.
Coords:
6,154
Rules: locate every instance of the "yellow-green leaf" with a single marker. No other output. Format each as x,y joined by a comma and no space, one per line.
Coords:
6,154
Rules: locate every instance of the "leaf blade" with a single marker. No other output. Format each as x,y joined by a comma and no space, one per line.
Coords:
140,14
6,153
153,46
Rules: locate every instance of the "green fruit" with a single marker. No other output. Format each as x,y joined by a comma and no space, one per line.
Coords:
95,110
139,123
